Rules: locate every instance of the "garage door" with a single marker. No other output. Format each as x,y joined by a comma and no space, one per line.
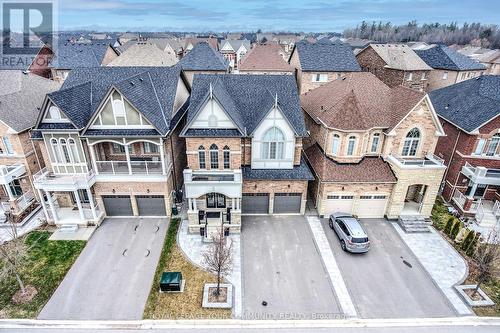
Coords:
287,203
338,203
117,205
255,203
151,205
371,206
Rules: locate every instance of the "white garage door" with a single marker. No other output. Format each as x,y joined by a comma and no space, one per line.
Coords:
371,206
338,204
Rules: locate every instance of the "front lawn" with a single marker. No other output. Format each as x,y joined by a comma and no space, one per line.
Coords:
45,268
185,305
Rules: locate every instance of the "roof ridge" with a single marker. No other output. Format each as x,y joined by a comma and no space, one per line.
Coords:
158,99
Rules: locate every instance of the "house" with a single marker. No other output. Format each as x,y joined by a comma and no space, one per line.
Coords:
234,50
266,58
80,55
449,66
41,62
469,113
172,46
203,59
319,63
491,60
191,42
243,144
371,148
144,54
108,138
395,64
20,95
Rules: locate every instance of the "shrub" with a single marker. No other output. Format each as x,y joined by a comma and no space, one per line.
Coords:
455,229
472,247
449,224
468,240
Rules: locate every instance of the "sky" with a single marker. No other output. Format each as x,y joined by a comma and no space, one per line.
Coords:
270,15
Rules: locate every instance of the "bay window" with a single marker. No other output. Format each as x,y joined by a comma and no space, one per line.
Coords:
273,145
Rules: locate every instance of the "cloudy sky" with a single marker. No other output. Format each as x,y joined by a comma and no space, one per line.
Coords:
248,15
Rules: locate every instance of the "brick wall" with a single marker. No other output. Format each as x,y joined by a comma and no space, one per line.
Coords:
192,145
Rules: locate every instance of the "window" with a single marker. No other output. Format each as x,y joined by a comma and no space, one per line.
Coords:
350,145
375,141
411,142
408,76
7,145
480,147
117,148
73,149
462,76
65,151
15,187
216,200
320,78
54,113
55,150
339,75
201,157
273,145
119,111
150,148
214,157
335,144
445,75
212,120
493,145
424,76
227,163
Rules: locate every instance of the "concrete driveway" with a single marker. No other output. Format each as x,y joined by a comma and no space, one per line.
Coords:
381,285
282,267
112,277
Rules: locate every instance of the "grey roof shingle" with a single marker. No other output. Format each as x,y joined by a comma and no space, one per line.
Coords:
248,98
204,58
77,55
469,104
299,172
442,57
326,57
120,132
213,132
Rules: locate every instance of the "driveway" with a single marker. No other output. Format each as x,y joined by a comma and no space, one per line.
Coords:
381,285
282,267
112,277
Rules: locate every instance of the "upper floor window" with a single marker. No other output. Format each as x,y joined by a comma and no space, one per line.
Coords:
375,141
424,76
150,148
54,113
214,156
320,78
54,145
201,157
445,76
493,145
73,149
65,151
409,76
118,149
411,142
273,144
7,145
480,147
335,144
350,145
118,111
227,161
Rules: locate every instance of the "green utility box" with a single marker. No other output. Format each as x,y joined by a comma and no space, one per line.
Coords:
171,282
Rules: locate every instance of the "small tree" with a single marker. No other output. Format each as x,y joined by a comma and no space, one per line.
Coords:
468,240
472,247
448,225
487,257
218,258
455,229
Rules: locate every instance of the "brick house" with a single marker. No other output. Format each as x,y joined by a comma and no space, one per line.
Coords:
469,113
395,64
371,148
109,138
243,144
266,59
449,66
234,50
318,63
203,59
20,95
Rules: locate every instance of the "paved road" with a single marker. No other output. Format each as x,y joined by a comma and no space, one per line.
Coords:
381,284
282,267
111,278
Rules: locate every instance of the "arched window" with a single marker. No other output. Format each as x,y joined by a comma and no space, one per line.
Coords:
201,157
65,150
375,141
493,145
335,144
227,163
73,149
412,140
350,145
212,120
214,156
273,144
55,150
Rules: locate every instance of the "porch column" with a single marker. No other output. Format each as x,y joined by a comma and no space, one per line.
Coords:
162,157
52,207
190,204
79,205
233,203
473,190
92,206
194,204
9,192
127,153
42,202
93,157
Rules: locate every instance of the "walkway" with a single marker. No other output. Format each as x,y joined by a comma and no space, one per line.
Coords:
446,267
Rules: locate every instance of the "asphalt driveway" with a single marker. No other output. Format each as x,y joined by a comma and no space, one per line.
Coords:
381,284
112,277
282,267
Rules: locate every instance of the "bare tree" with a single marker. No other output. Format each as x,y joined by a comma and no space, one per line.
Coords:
218,258
487,259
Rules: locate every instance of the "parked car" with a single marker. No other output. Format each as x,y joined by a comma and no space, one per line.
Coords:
353,237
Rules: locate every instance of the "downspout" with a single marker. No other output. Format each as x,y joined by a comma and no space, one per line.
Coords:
173,163
451,160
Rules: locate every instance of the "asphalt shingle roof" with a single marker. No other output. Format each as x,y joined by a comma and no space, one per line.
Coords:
443,57
78,55
326,57
265,58
400,57
144,54
469,104
299,172
204,58
248,98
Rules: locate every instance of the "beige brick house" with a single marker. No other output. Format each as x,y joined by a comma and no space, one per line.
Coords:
108,138
371,148
243,144
20,94
203,58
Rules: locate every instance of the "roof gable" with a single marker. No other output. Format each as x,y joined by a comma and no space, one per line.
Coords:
326,57
399,56
203,57
443,57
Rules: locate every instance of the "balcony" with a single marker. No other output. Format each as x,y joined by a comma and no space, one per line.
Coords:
136,168
481,175
10,172
200,182
17,205
49,181
430,161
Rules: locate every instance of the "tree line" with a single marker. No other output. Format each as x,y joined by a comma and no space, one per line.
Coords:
476,34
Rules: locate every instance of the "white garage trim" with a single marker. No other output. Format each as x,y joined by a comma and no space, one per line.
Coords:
339,202
372,205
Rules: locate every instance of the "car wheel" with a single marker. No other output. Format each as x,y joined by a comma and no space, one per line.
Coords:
330,223
342,245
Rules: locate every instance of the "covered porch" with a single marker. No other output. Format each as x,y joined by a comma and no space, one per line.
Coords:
414,200
15,197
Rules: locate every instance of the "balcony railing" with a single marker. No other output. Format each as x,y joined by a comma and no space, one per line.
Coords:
213,176
9,172
136,167
459,198
482,175
45,178
429,160
22,202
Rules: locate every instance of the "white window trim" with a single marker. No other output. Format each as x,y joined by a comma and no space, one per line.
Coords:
352,139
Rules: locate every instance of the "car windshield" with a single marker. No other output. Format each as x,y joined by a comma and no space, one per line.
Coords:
360,240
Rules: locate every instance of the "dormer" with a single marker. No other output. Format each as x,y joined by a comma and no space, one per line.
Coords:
53,114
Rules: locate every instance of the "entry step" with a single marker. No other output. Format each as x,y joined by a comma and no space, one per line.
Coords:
414,224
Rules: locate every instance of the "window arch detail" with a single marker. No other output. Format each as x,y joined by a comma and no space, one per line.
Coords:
273,144
411,143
